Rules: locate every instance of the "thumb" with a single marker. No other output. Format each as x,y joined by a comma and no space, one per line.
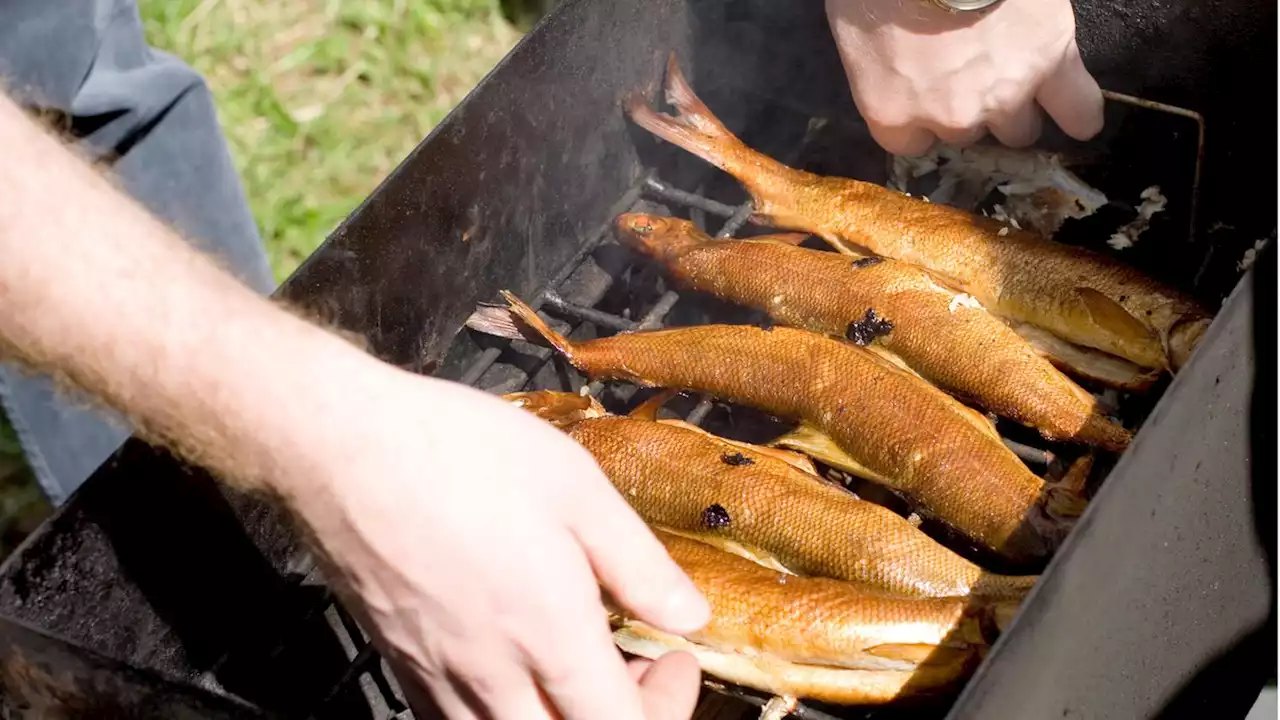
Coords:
631,564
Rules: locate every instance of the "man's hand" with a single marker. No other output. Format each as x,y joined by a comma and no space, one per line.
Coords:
473,533
468,532
919,73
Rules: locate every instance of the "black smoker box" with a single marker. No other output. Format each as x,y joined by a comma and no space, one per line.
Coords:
156,593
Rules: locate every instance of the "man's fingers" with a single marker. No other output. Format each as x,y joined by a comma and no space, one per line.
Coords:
485,685
1018,128
905,140
959,137
1072,97
669,689
441,702
633,566
637,667
581,670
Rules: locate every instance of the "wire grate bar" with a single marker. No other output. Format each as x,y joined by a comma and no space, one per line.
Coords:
700,411
478,366
604,319
801,711
736,221
662,191
1032,455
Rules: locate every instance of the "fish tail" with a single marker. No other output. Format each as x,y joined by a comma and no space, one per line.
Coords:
1003,613
1001,588
1066,499
694,127
529,316
495,321
648,410
1105,433
1184,337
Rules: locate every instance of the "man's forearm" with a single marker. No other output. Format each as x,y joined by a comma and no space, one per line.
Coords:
94,289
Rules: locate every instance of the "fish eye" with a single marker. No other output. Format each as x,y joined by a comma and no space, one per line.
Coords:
643,228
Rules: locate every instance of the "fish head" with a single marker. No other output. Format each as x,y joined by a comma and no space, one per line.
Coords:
658,236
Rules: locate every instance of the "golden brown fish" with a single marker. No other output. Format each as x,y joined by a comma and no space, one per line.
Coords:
816,638
960,348
891,426
690,481
1081,296
563,409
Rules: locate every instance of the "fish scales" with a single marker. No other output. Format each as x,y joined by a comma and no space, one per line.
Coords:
672,475
961,349
814,620
1082,296
814,637
923,443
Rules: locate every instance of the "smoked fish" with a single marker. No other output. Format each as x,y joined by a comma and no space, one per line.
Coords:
960,348
691,481
857,411
816,638
1081,296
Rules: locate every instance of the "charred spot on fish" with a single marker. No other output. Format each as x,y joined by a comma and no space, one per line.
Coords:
1123,298
866,262
736,459
870,327
715,516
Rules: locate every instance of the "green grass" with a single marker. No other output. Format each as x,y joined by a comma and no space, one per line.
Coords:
320,100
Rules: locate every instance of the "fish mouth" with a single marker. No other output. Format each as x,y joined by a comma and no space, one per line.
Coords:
651,234
637,230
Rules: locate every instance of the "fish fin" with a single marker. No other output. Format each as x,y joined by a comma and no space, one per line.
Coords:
789,239
1112,317
790,457
918,653
763,558
1003,613
1087,363
779,707
1184,338
816,444
558,408
883,353
530,317
1066,497
648,410
495,321
843,246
